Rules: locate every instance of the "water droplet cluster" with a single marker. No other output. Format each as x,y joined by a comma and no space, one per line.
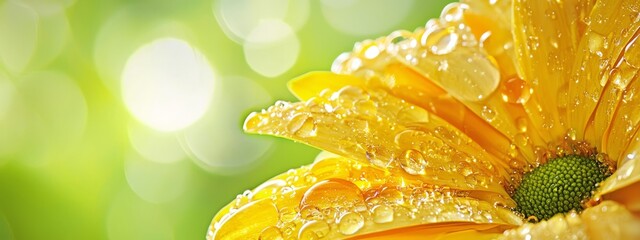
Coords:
337,197
375,127
442,45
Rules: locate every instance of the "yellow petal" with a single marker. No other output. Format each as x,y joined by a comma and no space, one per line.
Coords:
337,197
310,84
447,230
618,108
607,220
546,35
611,25
374,127
623,185
448,54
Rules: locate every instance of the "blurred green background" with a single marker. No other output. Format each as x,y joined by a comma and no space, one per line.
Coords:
123,119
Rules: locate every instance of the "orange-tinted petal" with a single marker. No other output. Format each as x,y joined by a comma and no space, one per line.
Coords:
623,185
610,26
607,220
546,34
374,127
618,109
337,197
445,230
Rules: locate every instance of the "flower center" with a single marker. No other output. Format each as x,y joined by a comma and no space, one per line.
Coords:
559,186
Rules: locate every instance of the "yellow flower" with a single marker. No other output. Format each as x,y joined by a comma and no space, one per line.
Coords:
497,120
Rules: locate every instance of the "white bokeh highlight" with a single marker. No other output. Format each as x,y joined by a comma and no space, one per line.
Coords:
238,18
156,182
271,48
19,30
167,84
365,17
217,143
161,147
128,217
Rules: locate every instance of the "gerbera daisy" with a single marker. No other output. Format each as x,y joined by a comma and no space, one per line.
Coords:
497,120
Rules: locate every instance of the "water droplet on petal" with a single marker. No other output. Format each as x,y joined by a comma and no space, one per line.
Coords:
516,90
521,139
413,114
302,125
366,108
350,223
332,193
512,151
488,113
371,52
595,42
413,162
453,12
440,41
382,214
271,233
313,230
571,134
521,124
287,214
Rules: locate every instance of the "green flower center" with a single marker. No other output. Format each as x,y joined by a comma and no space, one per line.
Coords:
559,186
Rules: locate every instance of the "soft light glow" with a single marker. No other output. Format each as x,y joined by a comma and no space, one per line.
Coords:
161,147
131,218
167,84
271,48
18,28
218,144
363,18
7,91
239,17
156,182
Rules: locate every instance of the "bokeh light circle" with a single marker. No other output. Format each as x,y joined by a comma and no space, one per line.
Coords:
218,144
19,31
156,182
167,84
129,217
365,17
271,48
238,18
7,91
161,147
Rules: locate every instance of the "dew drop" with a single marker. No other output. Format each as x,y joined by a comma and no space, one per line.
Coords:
466,171
313,230
382,214
310,213
440,41
488,114
413,162
366,108
595,42
571,134
516,90
521,124
302,125
332,193
271,233
521,139
352,93
350,223
472,180
453,12
287,214
371,52
413,114
512,151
